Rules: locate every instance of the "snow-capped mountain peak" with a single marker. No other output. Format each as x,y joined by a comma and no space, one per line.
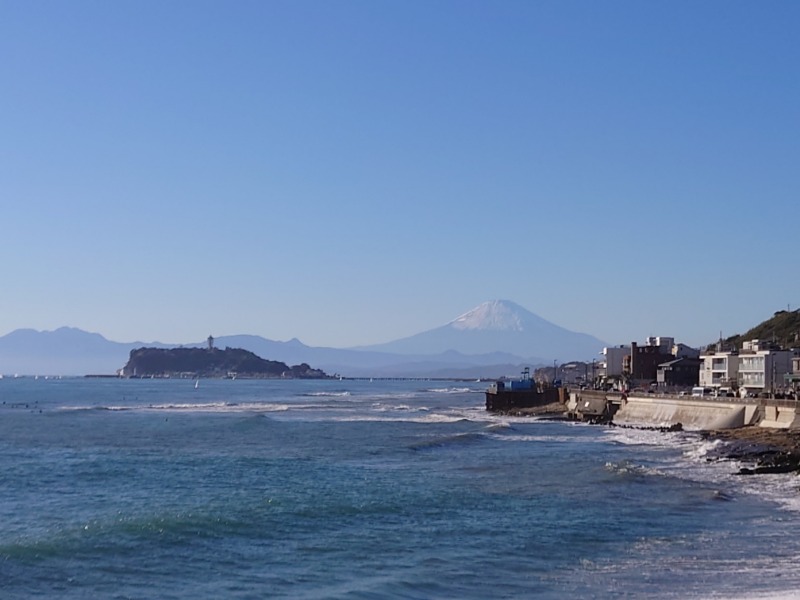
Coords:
495,315
498,326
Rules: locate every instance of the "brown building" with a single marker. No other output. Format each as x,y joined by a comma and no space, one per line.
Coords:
641,365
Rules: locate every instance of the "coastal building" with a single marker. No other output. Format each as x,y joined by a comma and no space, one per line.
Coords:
665,344
609,371
640,367
574,373
792,379
679,372
762,367
758,367
612,360
719,369
654,362
684,351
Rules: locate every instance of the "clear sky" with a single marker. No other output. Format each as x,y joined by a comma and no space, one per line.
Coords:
351,172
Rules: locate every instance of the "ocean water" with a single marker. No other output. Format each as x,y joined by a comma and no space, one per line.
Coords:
366,489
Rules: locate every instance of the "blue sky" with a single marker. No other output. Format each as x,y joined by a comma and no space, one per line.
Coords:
353,172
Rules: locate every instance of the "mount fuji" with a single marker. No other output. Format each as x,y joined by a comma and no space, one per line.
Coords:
499,326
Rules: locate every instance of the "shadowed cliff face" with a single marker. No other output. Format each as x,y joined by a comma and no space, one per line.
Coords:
201,362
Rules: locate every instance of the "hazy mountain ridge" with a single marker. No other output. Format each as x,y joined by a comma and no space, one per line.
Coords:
70,351
64,351
495,335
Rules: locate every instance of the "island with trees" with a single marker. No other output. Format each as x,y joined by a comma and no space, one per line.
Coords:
211,362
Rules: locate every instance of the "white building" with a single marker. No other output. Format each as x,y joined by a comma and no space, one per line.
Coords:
719,369
762,368
756,368
613,358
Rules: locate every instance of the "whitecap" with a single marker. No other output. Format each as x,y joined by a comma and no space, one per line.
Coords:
450,390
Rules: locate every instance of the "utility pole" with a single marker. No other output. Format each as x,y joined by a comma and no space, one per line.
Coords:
774,374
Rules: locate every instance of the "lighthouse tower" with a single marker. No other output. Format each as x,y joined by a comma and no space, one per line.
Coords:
210,341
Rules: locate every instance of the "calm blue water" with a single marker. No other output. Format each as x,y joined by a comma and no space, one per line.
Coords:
342,489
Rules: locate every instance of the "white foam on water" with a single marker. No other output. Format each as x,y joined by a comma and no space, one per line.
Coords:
394,396
428,418
780,488
777,570
452,390
479,415
79,408
521,437
702,450
499,426
223,407
787,595
698,461
219,407
631,468
380,407
639,437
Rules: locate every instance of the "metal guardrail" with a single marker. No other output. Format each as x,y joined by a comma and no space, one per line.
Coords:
781,402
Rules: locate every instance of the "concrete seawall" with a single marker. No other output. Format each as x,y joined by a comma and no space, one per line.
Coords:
660,410
782,414
692,413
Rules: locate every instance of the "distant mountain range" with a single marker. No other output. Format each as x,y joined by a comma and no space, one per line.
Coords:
496,338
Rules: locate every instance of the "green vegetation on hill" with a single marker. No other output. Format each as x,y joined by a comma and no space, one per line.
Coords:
202,362
783,328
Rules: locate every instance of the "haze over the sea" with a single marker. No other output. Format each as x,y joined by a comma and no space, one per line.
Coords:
350,173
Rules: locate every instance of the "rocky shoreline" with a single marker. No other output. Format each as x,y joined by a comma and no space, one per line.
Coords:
764,450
